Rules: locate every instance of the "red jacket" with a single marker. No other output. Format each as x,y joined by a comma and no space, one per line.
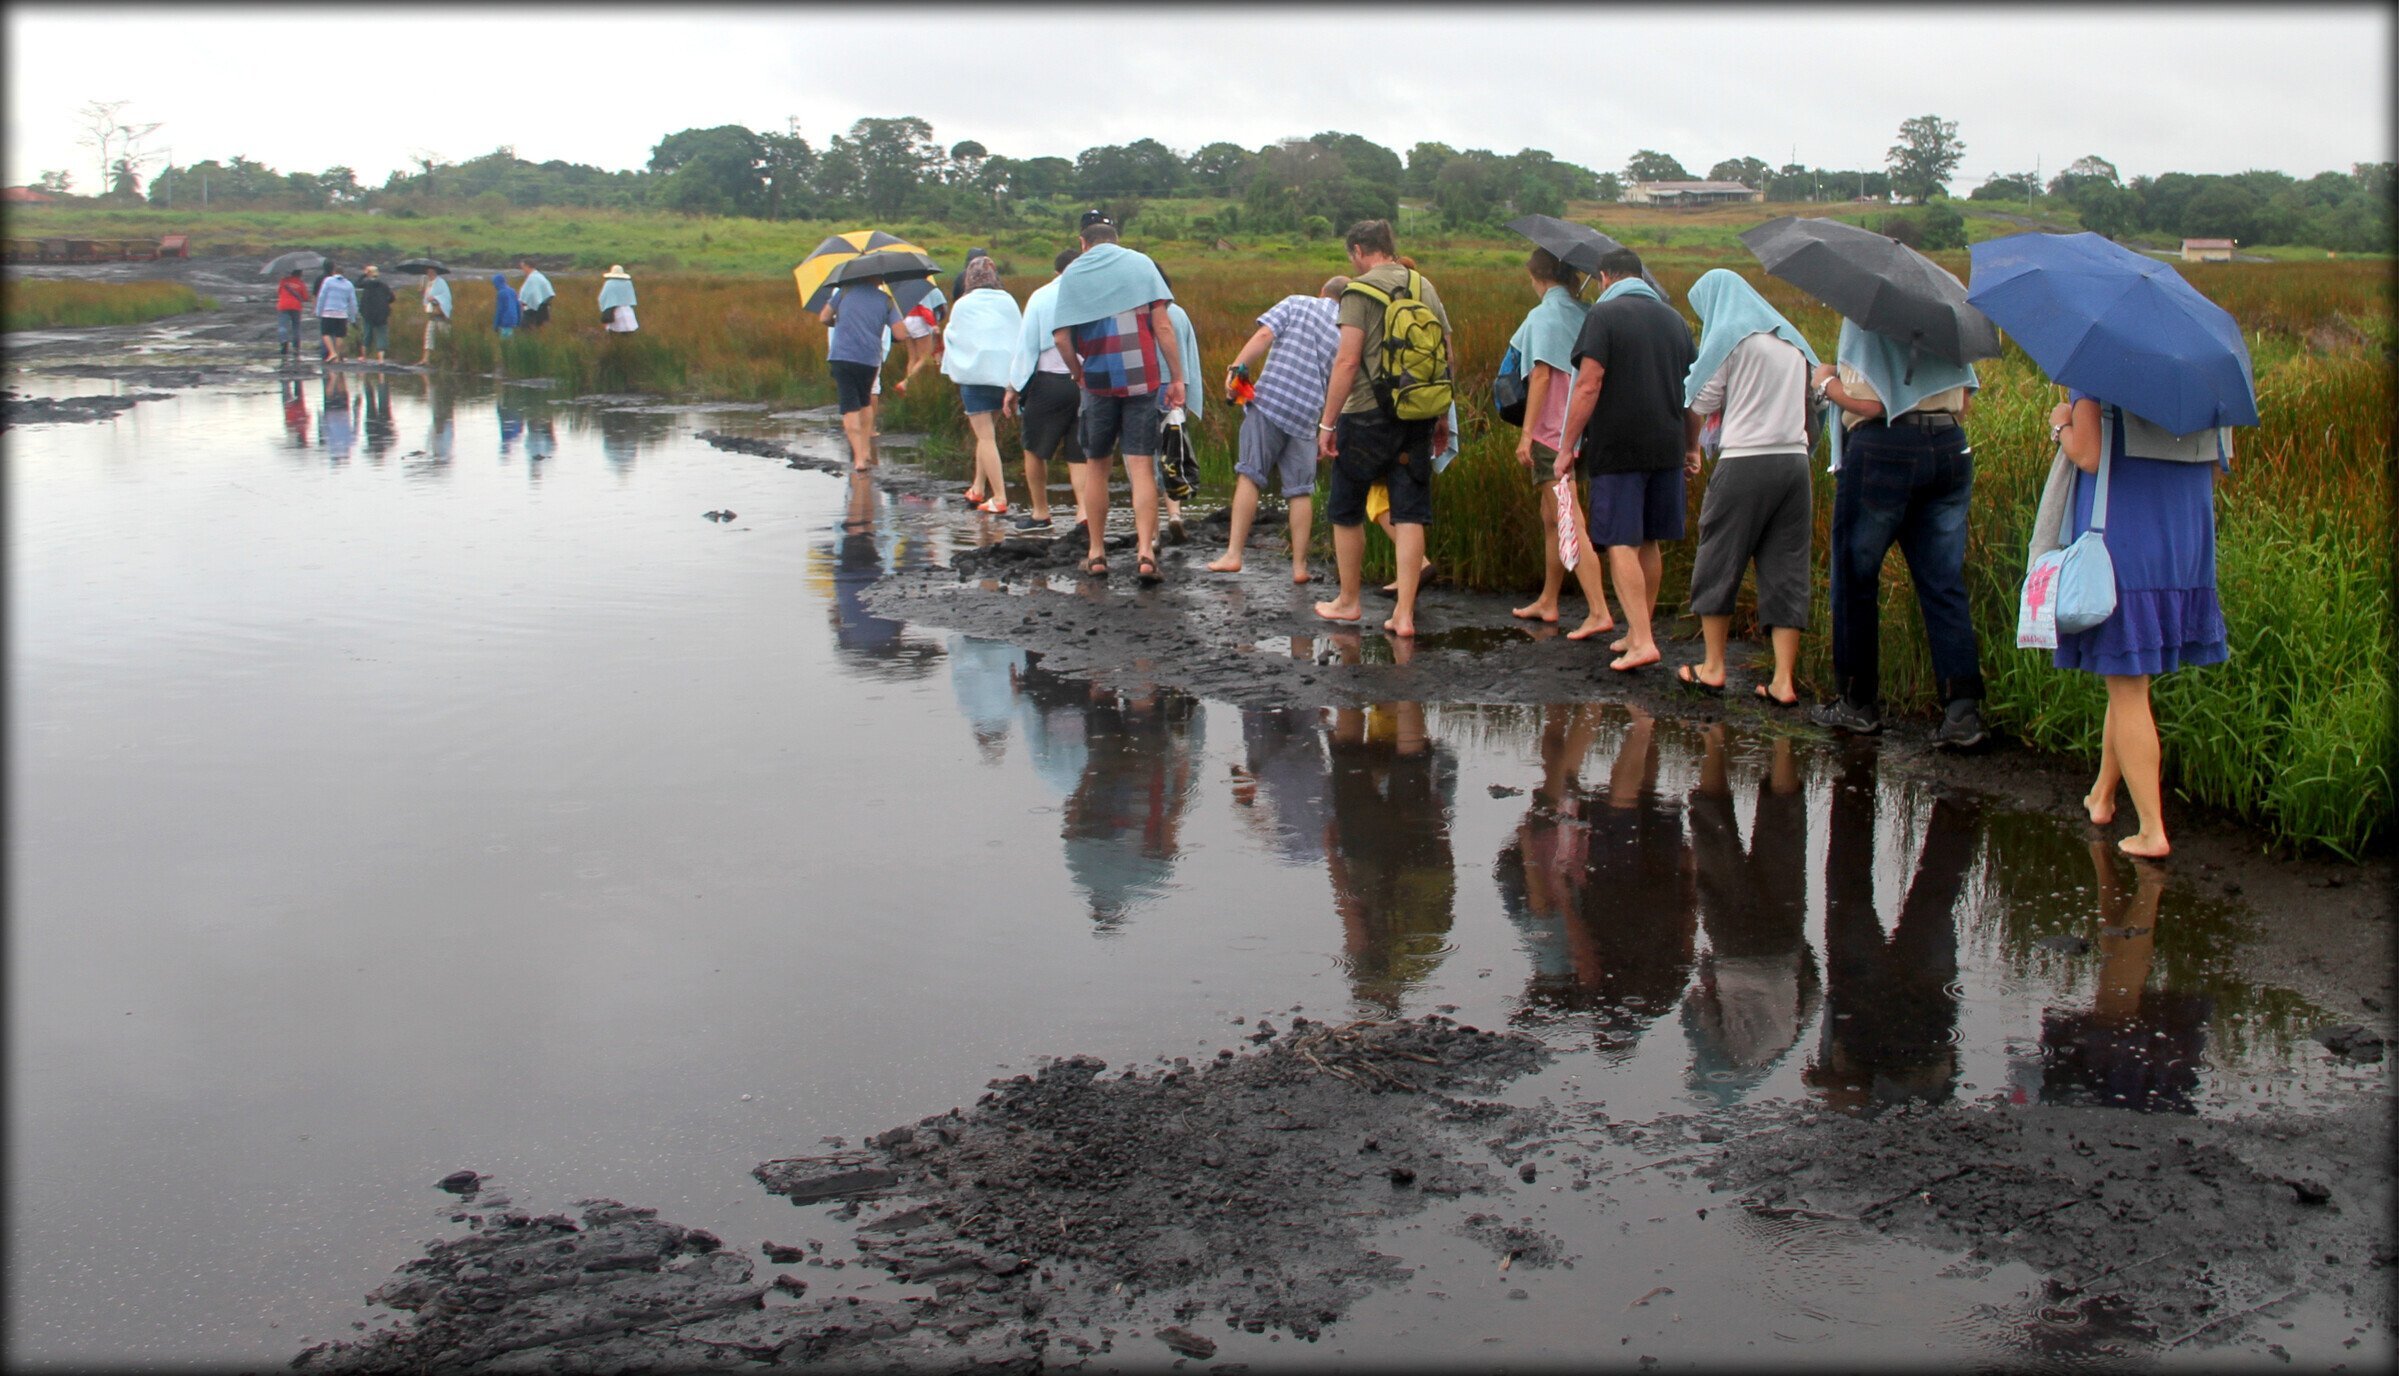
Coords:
291,294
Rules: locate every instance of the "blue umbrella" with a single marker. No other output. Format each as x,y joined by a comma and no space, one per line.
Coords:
2120,325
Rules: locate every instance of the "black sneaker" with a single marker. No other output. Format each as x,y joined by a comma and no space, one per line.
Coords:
1962,726
1031,524
1841,714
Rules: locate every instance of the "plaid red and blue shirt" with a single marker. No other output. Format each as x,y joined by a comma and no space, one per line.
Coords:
1120,355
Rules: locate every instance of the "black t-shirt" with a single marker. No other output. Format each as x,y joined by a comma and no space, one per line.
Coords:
1646,349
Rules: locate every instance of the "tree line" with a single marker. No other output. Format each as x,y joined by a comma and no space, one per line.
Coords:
894,168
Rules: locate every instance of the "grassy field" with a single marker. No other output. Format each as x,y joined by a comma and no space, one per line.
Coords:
2295,733
33,304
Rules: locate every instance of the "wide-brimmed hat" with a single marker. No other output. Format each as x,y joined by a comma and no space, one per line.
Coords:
617,270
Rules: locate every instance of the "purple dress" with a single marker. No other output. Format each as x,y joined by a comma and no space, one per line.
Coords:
2161,536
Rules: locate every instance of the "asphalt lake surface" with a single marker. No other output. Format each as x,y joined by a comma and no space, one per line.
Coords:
407,777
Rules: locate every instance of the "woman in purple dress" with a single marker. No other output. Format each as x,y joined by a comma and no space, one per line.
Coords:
2161,537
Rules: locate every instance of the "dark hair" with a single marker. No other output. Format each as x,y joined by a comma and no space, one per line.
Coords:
1546,266
1372,236
1620,262
1065,256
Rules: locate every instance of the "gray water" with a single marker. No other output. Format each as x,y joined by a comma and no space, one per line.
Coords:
410,779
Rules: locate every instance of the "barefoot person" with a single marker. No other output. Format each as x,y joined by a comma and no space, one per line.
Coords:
2160,520
1278,433
374,314
1625,422
979,357
1118,340
337,301
1045,392
861,319
436,300
1545,341
1752,373
1366,446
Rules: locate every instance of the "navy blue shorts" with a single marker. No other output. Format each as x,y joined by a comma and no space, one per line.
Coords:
980,398
1638,507
854,382
1396,453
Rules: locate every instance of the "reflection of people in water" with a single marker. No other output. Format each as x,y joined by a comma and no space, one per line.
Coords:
442,401
1601,881
1757,983
876,642
983,675
337,427
295,413
375,415
541,434
1387,846
1138,753
512,422
1892,1031
1281,788
2136,1047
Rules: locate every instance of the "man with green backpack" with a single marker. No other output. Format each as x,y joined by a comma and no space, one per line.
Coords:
1389,392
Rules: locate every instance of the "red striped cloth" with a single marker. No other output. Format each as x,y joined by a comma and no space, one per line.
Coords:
1570,550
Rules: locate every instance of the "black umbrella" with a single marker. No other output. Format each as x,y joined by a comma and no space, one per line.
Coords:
303,259
1578,246
418,265
884,265
1877,281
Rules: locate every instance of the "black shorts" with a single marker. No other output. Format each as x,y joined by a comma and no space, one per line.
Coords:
333,327
854,383
538,315
1396,453
1050,405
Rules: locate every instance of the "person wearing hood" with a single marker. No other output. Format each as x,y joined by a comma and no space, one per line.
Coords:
533,295
505,312
981,360
1545,341
1903,473
437,310
616,300
336,301
292,298
374,314
1751,377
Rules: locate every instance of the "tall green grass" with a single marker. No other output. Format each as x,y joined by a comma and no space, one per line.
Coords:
43,303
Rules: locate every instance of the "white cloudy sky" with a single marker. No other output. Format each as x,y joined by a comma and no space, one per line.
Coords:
2157,88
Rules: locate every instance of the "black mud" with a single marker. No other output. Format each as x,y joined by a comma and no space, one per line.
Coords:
1070,1213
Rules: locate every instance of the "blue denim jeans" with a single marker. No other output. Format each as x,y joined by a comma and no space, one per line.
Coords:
1910,486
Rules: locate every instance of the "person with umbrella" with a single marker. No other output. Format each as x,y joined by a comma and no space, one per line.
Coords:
291,299
1901,381
1545,341
374,314
1752,377
616,300
436,300
2156,374
860,321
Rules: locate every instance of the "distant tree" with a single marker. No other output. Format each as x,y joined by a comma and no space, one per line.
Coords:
1750,172
1943,226
1607,186
1538,194
966,161
1465,193
2373,179
2107,210
2163,199
1649,165
1041,179
714,171
1365,159
2016,187
788,165
1316,227
895,157
1425,162
1220,169
2083,171
56,181
100,122
1927,153
124,183
2223,210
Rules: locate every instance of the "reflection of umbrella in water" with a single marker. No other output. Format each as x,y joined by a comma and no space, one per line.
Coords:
418,265
300,259
1877,281
2119,325
856,256
1578,246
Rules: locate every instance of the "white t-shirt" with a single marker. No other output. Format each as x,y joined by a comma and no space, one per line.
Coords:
1762,389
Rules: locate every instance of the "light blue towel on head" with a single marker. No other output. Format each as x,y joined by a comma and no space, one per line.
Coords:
980,342
1730,310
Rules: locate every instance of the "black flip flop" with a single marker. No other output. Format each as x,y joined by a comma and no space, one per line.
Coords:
1694,683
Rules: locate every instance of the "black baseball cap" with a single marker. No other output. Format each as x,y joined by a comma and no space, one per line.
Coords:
1095,217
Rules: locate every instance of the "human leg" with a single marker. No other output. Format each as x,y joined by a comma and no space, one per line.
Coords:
1933,540
1627,567
1299,512
2137,757
1102,420
1244,510
987,457
1782,565
1553,569
1409,479
1870,502
1346,509
1597,620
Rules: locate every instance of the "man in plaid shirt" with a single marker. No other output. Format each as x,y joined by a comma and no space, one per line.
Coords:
1278,435
1129,383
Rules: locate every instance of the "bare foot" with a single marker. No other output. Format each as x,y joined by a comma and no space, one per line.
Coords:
1536,611
1300,574
1335,611
1596,625
2102,810
1400,625
1619,644
2145,847
1230,563
1634,659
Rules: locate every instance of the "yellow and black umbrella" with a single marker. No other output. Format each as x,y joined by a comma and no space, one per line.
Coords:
860,255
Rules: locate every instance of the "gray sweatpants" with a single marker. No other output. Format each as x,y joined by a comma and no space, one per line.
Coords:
1758,506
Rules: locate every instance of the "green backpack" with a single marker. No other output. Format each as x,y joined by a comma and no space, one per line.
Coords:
1409,365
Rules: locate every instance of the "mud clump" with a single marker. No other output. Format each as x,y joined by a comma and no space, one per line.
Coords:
1063,1210
18,409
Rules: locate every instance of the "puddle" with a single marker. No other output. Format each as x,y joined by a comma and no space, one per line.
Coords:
499,812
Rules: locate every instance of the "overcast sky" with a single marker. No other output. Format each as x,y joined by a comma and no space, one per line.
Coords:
2154,89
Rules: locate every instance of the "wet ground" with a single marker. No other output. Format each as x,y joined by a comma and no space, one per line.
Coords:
409,778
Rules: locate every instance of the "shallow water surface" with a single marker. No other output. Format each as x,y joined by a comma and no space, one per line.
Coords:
407,778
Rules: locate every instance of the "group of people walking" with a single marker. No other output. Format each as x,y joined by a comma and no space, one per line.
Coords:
337,303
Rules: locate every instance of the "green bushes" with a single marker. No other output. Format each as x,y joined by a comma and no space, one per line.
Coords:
36,303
